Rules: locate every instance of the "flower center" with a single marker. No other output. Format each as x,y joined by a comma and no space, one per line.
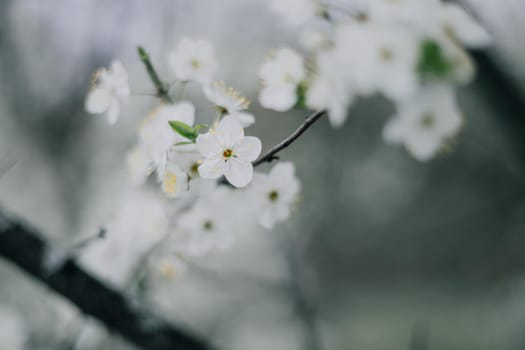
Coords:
273,195
195,64
222,110
228,153
427,120
195,168
386,54
207,225
170,183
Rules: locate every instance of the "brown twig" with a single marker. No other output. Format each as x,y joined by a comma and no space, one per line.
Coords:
271,154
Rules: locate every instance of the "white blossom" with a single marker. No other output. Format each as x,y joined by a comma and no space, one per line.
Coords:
109,90
169,266
140,222
329,89
275,193
432,18
461,26
138,164
156,134
13,331
228,101
228,152
193,60
207,226
425,122
311,39
174,181
382,59
296,11
281,75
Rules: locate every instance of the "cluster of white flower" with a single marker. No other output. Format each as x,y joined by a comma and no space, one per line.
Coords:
409,51
197,212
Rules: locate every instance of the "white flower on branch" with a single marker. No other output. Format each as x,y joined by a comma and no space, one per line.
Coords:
193,60
138,164
228,101
281,75
460,25
425,122
382,59
432,18
157,136
110,88
275,193
329,89
228,152
140,222
207,226
174,181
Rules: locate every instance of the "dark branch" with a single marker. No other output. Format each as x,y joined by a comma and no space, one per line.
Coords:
272,153
162,88
25,248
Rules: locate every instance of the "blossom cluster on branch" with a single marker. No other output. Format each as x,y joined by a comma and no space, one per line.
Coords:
412,52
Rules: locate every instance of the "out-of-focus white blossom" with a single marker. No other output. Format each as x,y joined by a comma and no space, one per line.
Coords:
169,266
329,89
139,165
193,60
296,11
281,75
425,122
208,226
461,26
312,39
275,193
382,59
228,152
141,221
174,181
109,90
228,101
157,136
13,331
431,18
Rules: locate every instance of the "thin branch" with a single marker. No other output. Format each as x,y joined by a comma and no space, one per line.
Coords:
272,153
162,88
27,249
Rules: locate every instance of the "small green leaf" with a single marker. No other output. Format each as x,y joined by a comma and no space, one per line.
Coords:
184,143
184,130
432,60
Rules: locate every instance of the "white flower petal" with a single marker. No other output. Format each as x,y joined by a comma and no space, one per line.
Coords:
213,168
394,130
239,174
464,27
208,144
229,131
113,111
98,100
278,97
248,149
246,119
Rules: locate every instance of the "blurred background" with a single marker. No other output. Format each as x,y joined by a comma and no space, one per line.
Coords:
382,253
